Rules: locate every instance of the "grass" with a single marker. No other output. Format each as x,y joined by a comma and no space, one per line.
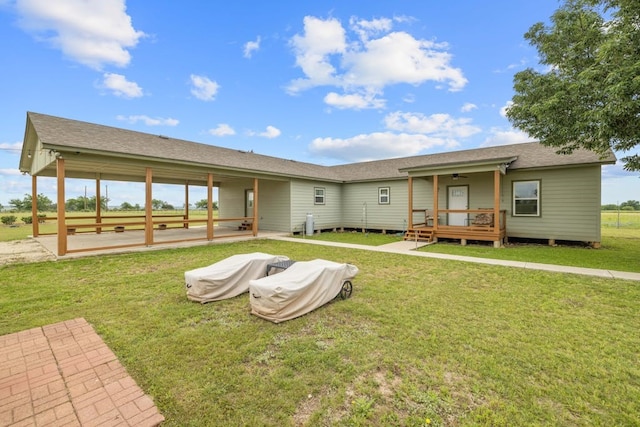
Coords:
455,343
359,238
620,248
620,251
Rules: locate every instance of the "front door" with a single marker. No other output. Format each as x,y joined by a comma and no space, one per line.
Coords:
248,203
458,198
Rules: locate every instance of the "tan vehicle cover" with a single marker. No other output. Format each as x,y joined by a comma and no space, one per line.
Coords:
229,277
303,287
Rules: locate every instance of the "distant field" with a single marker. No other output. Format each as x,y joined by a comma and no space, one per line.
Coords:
20,230
623,219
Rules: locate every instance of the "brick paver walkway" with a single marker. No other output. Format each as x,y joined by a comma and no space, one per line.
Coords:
65,375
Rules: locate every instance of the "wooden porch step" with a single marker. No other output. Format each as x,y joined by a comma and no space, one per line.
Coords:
421,235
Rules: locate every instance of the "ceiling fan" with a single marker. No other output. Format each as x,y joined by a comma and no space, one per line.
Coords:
456,176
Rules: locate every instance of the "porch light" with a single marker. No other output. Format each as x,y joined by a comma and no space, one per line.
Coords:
29,154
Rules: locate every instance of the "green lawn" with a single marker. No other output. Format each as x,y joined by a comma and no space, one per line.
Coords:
455,343
620,244
620,248
620,251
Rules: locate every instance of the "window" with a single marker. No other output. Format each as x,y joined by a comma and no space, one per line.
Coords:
319,196
383,195
526,198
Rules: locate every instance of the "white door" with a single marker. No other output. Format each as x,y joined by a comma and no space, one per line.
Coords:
458,199
248,203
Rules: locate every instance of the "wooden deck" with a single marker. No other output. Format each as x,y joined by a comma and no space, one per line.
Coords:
430,234
487,233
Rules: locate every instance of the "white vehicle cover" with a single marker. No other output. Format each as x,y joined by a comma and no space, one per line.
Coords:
229,277
303,287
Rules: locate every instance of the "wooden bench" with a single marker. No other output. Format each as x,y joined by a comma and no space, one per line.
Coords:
482,221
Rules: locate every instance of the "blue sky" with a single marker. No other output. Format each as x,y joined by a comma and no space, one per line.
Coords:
326,82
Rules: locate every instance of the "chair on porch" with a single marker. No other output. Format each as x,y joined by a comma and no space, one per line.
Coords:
483,220
428,218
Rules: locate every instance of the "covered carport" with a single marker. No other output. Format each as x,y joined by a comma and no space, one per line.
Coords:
68,149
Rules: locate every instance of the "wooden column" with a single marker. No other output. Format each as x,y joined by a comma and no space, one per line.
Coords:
98,205
496,208
496,192
34,207
148,208
254,226
410,193
62,221
210,206
435,202
186,204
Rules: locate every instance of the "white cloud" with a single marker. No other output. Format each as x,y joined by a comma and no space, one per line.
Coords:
120,86
498,136
250,47
204,88
378,145
91,32
271,132
409,98
222,129
468,107
11,172
415,134
327,58
149,121
312,50
440,125
400,58
366,29
505,108
354,101
15,147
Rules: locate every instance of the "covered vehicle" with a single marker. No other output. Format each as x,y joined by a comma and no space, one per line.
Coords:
303,287
229,277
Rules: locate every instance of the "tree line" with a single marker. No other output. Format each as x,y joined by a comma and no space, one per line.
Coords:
629,205
88,204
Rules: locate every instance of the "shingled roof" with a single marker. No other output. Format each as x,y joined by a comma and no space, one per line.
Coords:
72,135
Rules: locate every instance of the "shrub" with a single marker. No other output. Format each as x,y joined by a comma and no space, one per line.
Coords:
27,219
42,218
8,219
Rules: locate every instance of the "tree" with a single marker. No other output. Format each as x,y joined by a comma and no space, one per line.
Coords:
44,203
590,95
610,207
156,204
18,204
202,204
633,204
82,203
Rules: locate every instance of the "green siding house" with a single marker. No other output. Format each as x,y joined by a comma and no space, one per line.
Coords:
493,193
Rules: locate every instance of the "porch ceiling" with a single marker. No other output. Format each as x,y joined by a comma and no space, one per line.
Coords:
131,169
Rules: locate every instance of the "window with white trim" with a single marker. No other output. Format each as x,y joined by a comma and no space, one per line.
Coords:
526,198
318,196
384,194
